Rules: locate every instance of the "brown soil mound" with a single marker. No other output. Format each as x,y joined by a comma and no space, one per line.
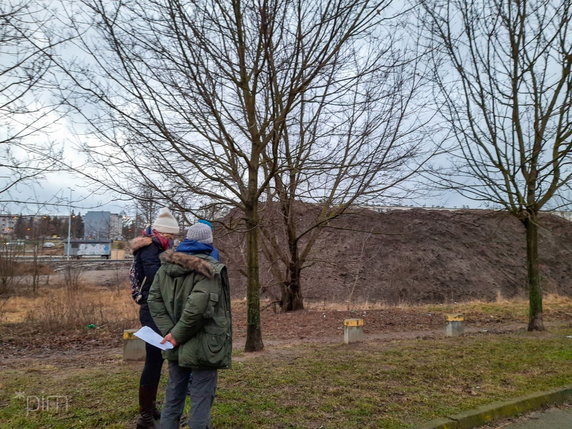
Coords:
415,256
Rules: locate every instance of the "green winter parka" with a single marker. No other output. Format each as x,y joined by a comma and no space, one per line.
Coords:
190,298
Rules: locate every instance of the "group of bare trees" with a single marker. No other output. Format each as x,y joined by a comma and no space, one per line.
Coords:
208,103
235,103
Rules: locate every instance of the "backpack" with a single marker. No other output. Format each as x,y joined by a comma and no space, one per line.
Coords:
137,281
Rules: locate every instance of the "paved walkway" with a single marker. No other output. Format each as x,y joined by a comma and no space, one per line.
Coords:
553,418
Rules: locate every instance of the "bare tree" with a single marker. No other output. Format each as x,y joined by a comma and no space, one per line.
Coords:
25,44
355,138
503,77
193,98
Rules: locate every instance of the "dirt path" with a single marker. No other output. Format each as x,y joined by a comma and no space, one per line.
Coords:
93,348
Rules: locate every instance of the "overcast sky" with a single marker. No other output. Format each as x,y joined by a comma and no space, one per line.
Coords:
51,196
51,193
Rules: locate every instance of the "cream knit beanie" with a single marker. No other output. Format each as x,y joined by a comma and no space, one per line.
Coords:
166,222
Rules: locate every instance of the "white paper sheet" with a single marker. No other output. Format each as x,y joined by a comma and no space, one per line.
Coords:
150,336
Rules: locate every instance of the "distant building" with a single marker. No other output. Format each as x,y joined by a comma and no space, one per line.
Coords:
7,223
102,226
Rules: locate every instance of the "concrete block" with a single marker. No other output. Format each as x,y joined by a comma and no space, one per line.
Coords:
353,330
455,325
133,347
117,254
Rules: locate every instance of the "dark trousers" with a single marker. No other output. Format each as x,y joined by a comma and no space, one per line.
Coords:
153,357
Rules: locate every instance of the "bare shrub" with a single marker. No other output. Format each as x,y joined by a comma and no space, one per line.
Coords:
36,266
120,281
3,308
72,274
29,274
8,267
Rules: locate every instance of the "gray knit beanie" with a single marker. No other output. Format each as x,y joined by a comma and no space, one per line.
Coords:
201,233
166,222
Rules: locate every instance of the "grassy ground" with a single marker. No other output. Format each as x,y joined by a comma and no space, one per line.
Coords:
395,384
314,384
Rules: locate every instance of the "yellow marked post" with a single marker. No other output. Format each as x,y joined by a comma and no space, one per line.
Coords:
353,330
133,347
455,325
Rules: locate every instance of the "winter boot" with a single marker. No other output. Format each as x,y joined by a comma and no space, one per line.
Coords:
156,412
147,408
145,421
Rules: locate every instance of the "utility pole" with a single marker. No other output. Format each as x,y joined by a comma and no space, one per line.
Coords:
69,226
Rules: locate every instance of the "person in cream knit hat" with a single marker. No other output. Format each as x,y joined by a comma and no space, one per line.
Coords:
146,250
166,222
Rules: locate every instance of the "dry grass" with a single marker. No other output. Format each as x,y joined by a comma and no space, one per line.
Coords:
3,305
67,309
57,306
551,303
16,308
71,299
60,308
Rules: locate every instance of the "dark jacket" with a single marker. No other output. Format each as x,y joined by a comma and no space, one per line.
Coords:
190,298
146,251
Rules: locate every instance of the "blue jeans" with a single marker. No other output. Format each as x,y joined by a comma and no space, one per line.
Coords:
201,384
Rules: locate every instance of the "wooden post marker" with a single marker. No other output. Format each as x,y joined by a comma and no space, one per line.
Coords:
455,324
133,347
353,330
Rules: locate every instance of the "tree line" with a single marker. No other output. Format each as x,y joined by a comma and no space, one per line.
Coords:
35,227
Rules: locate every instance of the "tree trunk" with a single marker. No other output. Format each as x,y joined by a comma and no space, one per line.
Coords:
253,332
35,267
535,322
292,299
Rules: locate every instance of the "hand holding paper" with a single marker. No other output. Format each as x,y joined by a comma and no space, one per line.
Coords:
151,337
169,338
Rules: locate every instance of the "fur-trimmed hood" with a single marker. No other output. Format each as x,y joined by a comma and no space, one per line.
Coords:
188,262
139,242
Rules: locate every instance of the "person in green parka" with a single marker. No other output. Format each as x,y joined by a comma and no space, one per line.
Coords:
189,301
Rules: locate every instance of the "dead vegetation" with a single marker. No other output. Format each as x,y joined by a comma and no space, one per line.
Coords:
74,301
64,309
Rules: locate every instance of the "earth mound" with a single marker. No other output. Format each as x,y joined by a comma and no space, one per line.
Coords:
411,256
